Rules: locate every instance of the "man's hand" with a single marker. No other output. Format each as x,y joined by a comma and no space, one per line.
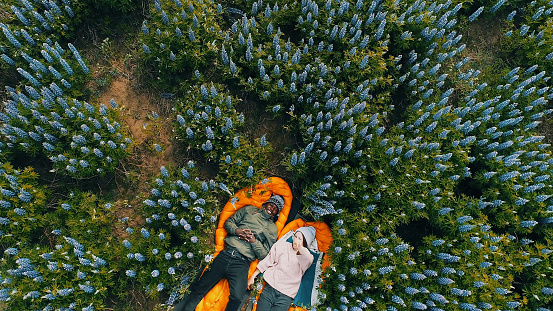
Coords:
245,235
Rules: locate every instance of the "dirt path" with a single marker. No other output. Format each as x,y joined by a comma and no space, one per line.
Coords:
145,130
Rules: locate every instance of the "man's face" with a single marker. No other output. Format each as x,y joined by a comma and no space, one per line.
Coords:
271,208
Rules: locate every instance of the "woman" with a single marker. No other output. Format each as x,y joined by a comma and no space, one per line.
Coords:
283,269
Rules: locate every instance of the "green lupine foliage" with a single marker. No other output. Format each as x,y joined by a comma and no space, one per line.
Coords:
51,64
178,39
67,275
245,39
208,123
53,21
532,45
80,140
23,204
413,171
85,217
43,23
207,120
44,117
176,238
58,271
247,164
108,6
433,175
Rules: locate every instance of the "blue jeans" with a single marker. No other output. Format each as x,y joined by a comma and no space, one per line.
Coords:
273,300
234,268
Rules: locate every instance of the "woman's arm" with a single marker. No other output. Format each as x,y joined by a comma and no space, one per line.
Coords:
251,280
303,250
270,260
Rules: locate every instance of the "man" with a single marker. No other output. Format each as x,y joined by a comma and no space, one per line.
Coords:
250,234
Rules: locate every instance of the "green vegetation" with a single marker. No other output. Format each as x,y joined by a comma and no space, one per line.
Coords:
419,131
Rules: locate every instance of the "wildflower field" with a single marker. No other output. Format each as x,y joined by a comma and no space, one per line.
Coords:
419,131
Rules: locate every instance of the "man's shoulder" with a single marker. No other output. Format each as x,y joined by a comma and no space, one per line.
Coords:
249,209
246,209
273,227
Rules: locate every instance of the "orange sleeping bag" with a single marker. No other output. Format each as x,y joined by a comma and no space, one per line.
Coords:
324,239
217,298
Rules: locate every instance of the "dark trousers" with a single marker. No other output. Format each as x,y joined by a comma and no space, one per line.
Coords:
226,265
273,300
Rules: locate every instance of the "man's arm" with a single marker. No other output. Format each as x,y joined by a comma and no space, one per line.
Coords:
231,224
261,248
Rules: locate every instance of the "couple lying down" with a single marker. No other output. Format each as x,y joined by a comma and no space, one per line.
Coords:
251,234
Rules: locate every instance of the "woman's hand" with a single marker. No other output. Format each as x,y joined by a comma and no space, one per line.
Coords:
251,280
297,241
303,250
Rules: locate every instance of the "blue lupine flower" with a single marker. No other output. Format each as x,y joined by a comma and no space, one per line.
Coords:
401,247
521,201
528,223
86,288
541,197
67,267
145,233
130,273
386,270
24,196
501,291
418,305
466,228
19,211
475,15
8,60
10,37
363,62
417,277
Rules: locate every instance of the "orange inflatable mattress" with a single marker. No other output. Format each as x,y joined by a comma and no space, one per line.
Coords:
217,298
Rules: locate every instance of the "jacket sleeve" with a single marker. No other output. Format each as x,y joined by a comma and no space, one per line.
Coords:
261,248
269,260
231,224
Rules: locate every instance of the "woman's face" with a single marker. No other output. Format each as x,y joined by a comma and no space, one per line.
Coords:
297,240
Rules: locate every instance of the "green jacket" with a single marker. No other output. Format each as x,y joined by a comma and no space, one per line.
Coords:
260,223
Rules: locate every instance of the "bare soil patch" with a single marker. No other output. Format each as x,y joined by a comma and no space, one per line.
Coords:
483,39
146,123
